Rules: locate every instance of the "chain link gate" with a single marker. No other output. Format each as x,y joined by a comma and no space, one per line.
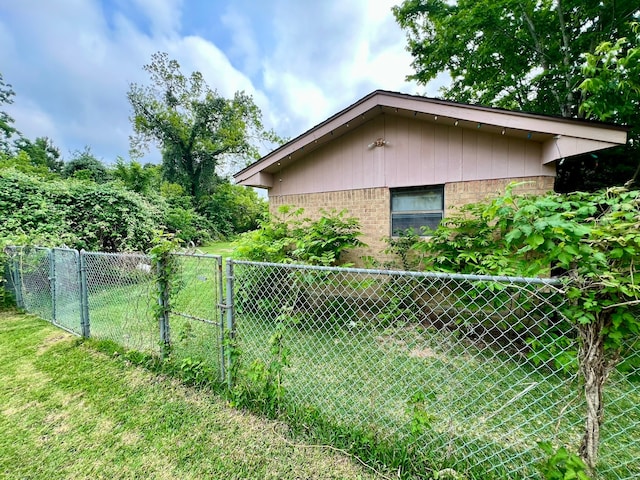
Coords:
196,314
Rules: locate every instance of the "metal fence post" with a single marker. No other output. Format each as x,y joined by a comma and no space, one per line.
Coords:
230,327
163,303
52,283
84,295
17,278
221,321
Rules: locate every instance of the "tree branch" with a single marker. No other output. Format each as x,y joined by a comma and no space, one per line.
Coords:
539,50
565,106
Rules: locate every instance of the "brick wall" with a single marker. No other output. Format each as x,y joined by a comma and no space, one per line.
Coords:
372,206
459,193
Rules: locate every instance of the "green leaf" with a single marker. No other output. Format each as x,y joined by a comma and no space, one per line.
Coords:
535,240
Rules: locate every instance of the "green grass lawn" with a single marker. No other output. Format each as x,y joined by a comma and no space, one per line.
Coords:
68,411
225,249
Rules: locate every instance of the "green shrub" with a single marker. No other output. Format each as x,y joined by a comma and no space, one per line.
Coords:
75,213
188,225
287,237
233,209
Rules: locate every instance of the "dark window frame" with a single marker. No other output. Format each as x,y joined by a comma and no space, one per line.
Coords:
437,213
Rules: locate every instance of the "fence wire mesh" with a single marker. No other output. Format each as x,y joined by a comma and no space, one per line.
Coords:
65,282
121,290
111,296
471,371
31,274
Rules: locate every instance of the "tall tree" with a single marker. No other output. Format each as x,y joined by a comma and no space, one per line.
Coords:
42,152
6,130
522,55
194,126
516,54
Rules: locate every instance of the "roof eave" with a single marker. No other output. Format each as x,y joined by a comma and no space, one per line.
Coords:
597,134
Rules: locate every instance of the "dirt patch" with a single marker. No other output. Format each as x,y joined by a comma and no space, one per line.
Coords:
425,352
51,340
19,408
58,422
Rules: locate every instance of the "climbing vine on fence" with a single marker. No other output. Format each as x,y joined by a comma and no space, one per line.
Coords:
165,266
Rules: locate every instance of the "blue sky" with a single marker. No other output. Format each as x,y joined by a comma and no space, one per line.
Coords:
71,61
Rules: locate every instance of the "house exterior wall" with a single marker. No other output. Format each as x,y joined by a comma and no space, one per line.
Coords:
417,152
372,206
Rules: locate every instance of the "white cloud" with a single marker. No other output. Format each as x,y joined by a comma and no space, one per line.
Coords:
164,15
76,70
39,122
195,53
330,54
243,42
71,61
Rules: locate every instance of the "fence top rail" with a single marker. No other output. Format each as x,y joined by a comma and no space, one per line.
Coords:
198,255
141,256
369,271
110,254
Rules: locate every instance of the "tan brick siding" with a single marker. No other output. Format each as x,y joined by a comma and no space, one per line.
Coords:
372,206
369,205
460,193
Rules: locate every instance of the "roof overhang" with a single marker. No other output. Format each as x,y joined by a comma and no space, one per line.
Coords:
560,137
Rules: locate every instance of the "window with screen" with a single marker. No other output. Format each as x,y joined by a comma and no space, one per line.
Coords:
419,208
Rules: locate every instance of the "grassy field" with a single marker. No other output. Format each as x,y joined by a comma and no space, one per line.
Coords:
68,411
225,249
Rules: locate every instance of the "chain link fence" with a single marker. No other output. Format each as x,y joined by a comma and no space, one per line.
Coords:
121,291
112,296
471,372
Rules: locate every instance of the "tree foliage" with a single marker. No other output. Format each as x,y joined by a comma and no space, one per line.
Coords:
136,177
194,126
22,162
234,209
85,166
6,128
42,153
509,53
612,79
611,88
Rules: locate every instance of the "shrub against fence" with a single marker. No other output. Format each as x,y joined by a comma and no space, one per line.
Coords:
461,372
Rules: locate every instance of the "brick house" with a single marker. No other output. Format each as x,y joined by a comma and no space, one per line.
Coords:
397,161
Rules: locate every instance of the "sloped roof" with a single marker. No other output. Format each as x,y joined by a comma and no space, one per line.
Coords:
561,137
